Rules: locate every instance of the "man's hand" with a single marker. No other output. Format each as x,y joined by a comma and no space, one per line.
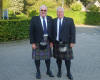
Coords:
71,45
51,44
33,46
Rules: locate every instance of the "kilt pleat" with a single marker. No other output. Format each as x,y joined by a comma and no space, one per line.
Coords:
39,54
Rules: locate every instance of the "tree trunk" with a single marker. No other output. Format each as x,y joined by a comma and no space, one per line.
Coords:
0,9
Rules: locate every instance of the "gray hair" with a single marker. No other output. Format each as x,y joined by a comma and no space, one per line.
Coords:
60,8
43,7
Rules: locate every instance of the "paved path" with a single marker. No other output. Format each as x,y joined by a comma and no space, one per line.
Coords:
16,62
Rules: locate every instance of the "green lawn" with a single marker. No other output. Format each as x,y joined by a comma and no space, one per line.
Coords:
90,18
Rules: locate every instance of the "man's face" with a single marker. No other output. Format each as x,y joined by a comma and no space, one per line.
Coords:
43,11
60,13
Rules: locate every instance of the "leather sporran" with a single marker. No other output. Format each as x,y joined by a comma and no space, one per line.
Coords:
63,48
43,44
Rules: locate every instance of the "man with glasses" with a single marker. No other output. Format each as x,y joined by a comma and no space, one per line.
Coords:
40,38
64,40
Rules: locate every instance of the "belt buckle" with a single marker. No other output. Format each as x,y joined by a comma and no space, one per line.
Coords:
60,42
43,43
63,49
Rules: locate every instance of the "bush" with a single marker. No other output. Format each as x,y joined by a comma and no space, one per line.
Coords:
13,29
90,18
76,6
21,16
33,13
51,4
11,15
93,18
93,8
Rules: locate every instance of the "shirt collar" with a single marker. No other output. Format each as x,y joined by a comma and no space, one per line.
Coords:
42,17
61,18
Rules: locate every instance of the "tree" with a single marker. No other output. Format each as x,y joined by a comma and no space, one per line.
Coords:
0,9
38,3
85,2
28,5
5,4
69,2
16,6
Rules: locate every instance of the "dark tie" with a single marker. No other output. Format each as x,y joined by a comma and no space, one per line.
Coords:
59,27
44,26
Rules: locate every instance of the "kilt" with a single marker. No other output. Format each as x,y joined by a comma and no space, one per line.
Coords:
68,55
39,54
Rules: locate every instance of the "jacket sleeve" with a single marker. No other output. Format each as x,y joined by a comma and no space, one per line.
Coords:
72,32
32,31
51,28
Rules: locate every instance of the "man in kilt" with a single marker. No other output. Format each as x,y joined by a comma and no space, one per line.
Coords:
63,39
40,38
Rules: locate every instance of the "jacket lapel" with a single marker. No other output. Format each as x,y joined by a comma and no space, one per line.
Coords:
55,25
40,24
62,24
47,24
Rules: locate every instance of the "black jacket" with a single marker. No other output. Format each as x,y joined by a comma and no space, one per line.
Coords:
67,33
36,30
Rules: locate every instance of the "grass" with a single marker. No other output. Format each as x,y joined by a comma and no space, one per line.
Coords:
89,18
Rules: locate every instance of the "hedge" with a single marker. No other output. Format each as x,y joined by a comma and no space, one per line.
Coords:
88,18
19,29
14,29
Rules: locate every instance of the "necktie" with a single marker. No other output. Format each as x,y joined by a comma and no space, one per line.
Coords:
59,27
44,26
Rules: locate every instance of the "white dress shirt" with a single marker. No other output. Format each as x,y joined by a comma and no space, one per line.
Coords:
41,18
57,38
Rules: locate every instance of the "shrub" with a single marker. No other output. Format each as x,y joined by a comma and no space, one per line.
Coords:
51,4
76,6
93,8
11,15
13,29
90,18
21,16
33,13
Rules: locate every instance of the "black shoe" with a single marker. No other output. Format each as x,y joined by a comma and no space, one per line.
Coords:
38,75
70,77
59,74
49,73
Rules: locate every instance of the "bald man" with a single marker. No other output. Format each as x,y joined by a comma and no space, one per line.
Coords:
40,38
64,40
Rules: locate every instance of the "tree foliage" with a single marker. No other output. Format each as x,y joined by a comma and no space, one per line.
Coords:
69,2
86,2
16,6
76,6
94,8
28,5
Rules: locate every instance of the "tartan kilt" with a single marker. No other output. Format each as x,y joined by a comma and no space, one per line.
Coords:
68,55
39,54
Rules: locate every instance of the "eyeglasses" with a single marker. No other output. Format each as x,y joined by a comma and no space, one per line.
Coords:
44,10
